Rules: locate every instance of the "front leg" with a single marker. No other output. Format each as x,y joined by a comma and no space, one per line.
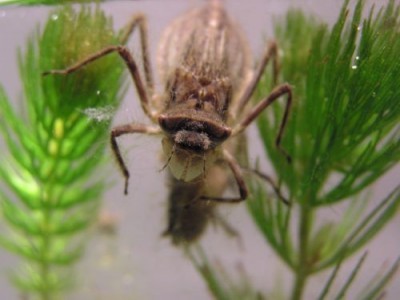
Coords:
238,174
125,129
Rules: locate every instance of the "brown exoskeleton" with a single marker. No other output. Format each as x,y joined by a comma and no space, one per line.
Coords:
188,218
205,66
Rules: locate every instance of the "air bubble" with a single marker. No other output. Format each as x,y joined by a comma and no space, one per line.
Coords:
99,114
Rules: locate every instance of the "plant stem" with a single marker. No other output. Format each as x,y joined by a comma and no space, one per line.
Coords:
302,265
44,266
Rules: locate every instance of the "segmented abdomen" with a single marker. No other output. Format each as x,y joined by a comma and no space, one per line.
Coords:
206,43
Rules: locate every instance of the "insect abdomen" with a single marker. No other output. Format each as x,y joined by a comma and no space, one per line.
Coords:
206,43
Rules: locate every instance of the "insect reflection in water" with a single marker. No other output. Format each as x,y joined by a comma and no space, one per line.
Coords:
206,69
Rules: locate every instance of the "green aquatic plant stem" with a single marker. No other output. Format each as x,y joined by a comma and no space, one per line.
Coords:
302,267
56,143
335,108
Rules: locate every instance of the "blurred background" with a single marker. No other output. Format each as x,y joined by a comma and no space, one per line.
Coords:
133,260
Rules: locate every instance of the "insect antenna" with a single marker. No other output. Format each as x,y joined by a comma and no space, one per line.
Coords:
169,158
187,164
204,166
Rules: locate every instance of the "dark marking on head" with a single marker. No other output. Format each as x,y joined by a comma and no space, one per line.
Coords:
196,134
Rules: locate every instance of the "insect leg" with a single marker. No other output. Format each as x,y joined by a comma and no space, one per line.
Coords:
125,129
280,90
224,224
274,186
129,61
140,21
271,52
238,174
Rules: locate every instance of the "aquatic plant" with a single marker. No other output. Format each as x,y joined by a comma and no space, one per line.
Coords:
343,135
55,143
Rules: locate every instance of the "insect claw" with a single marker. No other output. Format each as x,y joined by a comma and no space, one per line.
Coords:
126,187
284,153
288,158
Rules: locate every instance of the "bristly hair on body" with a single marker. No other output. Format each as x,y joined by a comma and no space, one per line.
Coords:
205,67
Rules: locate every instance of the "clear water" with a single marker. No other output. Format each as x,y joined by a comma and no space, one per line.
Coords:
136,262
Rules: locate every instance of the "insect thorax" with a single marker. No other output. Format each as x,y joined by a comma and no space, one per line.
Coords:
195,113
194,122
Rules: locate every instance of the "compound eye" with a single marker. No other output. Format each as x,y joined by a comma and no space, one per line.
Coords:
167,124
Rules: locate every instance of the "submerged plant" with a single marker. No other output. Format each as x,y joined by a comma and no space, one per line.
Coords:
343,135
55,143
39,2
